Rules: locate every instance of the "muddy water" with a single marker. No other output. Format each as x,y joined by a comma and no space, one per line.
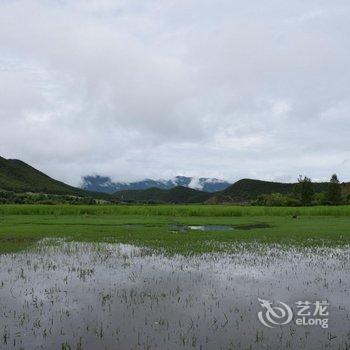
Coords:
111,296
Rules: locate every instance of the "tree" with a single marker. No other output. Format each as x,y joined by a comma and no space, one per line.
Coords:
305,190
334,190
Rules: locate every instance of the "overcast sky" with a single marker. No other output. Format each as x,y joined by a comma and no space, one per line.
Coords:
158,88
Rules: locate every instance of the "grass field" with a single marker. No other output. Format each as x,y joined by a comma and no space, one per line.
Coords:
75,290
173,210
153,226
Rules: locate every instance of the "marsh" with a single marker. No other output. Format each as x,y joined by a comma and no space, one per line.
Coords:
77,295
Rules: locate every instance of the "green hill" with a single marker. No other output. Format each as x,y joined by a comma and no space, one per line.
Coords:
243,191
182,194
174,195
248,189
19,177
150,195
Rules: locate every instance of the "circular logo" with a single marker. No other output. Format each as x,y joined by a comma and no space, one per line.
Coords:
273,316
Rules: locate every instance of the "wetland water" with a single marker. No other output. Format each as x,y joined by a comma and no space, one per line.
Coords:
215,228
70,295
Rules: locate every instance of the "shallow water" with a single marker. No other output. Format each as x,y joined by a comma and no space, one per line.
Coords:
210,228
114,296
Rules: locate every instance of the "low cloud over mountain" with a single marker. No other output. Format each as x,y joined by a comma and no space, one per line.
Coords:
105,184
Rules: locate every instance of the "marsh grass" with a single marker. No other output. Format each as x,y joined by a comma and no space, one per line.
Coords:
157,232
174,210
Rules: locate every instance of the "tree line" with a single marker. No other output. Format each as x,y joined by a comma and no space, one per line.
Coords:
304,194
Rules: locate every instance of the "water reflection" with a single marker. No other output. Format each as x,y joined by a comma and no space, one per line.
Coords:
112,296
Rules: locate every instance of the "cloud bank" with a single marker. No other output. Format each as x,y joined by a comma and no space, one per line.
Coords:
134,89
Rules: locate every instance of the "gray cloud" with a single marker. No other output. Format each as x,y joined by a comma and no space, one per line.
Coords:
154,89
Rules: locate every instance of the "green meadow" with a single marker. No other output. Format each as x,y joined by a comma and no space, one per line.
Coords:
173,210
165,227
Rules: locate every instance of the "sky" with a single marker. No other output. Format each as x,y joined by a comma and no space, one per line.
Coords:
153,89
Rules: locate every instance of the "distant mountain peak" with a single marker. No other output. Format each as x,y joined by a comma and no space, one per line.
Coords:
105,184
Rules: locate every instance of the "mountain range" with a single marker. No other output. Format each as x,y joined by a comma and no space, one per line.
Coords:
19,177
105,184
242,191
175,195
